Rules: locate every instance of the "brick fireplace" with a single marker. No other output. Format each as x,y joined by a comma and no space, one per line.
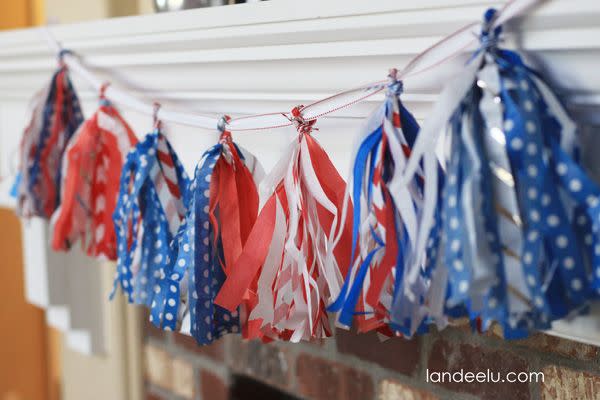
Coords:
360,367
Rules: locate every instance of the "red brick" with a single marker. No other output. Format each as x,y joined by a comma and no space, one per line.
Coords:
398,354
320,379
215,350
265,362
213,387
567,384
390,389
449,356
563,347
318,343
158,366
149,329
183,379
153,396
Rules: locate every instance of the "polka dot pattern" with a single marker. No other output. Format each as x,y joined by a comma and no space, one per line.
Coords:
561,242
141,225
556,217
557,212
198,259
528,167
551,258
459,278
586,213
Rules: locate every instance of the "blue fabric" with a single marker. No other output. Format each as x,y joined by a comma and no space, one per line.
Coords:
347,311
558,206
138,203
364,168
71,118
14,189
199,259
362,157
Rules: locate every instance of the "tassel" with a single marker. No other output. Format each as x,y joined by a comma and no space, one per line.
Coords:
56,116
149,211
286,270
520,214
381,290
91,171
222,210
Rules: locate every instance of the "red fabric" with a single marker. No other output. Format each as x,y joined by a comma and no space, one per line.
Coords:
91,177
242,278
334,187
233,212
242,273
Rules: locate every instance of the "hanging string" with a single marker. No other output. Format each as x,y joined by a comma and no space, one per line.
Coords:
434,56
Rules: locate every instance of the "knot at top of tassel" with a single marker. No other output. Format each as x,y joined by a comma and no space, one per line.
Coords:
394,87
61,56
102,95
222,128
303,126
489,38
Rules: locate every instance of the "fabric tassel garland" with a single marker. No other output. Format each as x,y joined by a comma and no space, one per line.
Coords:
387,272
222,210
520,215
499,224
150,207
56,116
287,272
91,172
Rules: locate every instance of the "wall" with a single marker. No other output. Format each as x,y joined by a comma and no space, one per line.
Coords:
145,7
67,11
30,351
21,13
102,375
360,367
24,348
113,372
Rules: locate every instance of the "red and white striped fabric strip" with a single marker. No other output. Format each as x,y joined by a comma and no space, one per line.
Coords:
164,176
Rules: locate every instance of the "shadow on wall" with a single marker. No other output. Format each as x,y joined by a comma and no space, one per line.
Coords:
245,388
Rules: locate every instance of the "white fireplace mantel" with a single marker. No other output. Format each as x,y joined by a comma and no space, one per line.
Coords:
271,56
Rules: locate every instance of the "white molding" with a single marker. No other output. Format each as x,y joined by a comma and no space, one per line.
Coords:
269,56
245,39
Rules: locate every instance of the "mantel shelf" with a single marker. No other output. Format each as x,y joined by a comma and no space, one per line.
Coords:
271,56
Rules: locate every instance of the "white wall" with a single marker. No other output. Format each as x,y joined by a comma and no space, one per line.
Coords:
67,11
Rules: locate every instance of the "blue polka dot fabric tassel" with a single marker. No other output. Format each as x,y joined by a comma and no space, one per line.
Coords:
149,211
222,209
55,118
520,215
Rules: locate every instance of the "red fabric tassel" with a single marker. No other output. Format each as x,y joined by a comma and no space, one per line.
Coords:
288,270
91,173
